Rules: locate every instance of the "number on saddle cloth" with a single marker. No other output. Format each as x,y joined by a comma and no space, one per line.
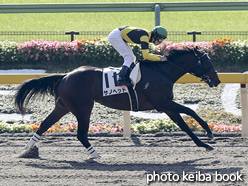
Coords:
110,77
109,83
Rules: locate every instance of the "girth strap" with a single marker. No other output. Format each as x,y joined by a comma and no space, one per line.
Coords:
134,105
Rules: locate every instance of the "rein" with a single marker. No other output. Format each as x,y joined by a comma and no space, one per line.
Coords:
177,66
198,62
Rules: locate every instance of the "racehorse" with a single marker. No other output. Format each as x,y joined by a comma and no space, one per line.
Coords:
77,90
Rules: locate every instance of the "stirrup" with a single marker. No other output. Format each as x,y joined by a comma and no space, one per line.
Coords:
124,83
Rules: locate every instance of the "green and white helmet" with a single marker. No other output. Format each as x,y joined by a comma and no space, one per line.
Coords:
160,32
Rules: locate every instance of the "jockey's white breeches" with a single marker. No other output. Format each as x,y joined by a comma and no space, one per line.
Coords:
123,48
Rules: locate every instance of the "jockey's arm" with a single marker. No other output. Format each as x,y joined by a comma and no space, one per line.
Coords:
150,56
145,50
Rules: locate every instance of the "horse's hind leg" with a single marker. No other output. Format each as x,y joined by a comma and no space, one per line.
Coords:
82,109
59,111
82,133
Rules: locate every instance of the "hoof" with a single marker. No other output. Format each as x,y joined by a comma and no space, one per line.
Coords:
92,159
30,153
210,136
209,148
95,157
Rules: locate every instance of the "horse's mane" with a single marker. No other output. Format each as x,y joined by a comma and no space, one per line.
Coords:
171,54
175,53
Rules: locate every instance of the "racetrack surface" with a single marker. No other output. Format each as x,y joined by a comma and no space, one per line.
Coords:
125,161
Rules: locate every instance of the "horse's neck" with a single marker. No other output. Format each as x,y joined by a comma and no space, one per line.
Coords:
174,76
174,71
180,66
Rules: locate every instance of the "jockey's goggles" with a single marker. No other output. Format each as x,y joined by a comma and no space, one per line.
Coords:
160,39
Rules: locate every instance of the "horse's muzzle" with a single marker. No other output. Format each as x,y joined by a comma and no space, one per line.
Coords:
214,83
213,79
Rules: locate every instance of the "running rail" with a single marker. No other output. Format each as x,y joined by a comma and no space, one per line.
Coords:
123,7
241,78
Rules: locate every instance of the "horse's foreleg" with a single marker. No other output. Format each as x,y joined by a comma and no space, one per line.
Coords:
200,121
58,112
179,121
175,107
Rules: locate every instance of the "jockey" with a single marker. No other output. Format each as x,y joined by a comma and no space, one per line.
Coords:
119,38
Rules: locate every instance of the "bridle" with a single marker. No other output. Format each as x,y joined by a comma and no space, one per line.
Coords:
199,60
198,64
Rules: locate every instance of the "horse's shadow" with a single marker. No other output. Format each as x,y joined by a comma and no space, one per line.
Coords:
191,166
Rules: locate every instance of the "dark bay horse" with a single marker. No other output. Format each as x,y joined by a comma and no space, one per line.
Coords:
76,92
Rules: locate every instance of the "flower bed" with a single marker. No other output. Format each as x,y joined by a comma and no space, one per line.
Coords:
216,127
141,128
224,51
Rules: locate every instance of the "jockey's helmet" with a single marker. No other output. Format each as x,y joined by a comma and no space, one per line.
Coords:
160,32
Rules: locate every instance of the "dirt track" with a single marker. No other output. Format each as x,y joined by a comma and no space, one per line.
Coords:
125,161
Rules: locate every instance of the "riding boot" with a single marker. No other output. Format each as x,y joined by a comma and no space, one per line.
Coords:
124,79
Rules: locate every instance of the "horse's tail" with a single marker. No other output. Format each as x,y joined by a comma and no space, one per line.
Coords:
32,88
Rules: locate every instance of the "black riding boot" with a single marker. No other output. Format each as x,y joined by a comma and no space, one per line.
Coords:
124,79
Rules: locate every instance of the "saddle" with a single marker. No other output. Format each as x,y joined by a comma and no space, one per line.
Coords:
109,83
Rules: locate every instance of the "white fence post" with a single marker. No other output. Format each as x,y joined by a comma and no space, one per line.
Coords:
244,106
126,127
